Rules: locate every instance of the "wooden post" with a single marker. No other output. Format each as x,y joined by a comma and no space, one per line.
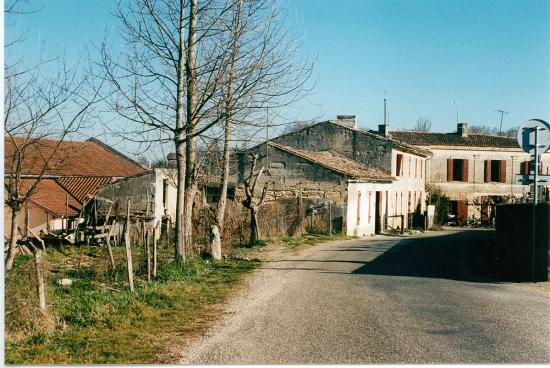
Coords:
26,222
67,212
40,280
111,257
402,224
148,255
155,251
129,249
38,238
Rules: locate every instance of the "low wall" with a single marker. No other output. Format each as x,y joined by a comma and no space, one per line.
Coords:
513,249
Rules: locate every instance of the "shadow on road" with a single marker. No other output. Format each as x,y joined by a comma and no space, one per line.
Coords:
465,256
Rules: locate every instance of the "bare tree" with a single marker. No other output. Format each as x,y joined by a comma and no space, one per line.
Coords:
482,130
39,113
250,202
423,125
188,71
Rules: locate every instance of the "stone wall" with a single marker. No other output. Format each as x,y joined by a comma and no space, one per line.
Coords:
364,147
513,250
291,177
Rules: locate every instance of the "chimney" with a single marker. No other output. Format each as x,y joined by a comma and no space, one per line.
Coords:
348,120
171,159
383,130
462,129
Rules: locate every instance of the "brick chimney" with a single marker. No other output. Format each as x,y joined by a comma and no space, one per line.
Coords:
462,129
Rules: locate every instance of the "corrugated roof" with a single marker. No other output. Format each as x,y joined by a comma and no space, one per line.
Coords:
71,158
51,197
337,163
81,187
453,139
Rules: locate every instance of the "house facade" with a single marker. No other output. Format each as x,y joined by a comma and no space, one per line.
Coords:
474,171
374,182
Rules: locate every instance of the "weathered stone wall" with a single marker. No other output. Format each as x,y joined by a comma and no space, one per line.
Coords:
513,249
360,146
143,189
290,177
134,188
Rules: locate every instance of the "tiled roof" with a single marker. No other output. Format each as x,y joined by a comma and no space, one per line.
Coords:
49,196
337,163
72,158
80,187
453,139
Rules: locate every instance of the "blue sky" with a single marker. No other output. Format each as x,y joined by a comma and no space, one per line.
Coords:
488,54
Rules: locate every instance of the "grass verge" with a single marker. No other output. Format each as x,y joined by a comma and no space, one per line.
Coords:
97,320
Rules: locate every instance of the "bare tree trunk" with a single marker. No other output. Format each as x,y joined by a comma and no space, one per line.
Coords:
180,139
40,280
254,233
180,201
190,145
12,251
217,228
129,250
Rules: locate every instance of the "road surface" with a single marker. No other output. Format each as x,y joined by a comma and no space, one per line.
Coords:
427,299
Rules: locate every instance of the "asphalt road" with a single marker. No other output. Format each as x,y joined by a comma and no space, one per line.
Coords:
428,299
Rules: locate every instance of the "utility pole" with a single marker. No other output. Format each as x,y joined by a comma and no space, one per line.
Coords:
502,112
457,103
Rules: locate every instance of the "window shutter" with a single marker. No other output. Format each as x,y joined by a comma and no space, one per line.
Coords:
465,170
449,169
487,171
525,167
503,171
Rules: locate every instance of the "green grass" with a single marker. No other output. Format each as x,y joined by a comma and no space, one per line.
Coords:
97,320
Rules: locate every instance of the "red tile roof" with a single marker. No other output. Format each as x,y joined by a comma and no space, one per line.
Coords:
81,187
453,139
49,196
72,158
337,163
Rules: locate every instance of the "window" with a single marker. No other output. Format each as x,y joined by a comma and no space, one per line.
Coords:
457,169
495,171
399,165
212,194
416,167
421,166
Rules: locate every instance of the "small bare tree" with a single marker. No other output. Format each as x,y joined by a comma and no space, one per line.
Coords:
250,201
39,113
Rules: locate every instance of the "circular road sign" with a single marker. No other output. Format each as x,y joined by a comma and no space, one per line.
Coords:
526,136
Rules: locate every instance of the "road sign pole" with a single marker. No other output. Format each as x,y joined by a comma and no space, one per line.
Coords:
535,196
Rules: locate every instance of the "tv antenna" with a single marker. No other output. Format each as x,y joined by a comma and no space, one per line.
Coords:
457,103
502,112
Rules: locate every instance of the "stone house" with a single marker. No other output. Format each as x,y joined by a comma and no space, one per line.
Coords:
373,181
475,171
151,193
75,172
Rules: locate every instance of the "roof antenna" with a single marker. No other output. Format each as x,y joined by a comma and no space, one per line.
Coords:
386,110
502,112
